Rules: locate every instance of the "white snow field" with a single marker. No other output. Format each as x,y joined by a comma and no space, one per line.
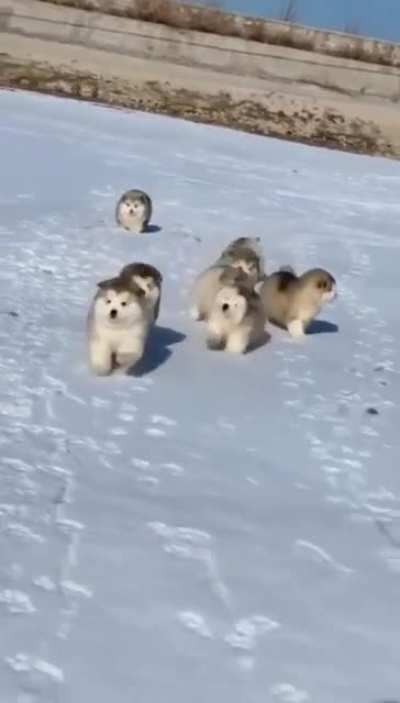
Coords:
213,529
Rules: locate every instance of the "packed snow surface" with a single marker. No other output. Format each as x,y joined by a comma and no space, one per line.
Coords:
213,529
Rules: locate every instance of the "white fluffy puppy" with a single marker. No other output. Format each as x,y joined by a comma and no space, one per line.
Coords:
134,210
237,320
243,268
117,327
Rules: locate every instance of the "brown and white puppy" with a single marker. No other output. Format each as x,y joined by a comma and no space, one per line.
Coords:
237,320
149,279
292,301
118,324
242,244
243,268
134,210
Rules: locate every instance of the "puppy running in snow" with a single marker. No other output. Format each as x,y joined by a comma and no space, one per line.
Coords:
134,210
237,320
292,301
243,268
149,279
243,244
117,327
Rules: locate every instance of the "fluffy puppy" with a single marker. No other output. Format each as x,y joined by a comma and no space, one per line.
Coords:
243,268
242,244
117,326
149,279
134,210
237,320
292,301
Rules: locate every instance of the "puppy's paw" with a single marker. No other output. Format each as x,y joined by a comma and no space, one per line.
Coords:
215,343
195,314
125,361
100,370
296,329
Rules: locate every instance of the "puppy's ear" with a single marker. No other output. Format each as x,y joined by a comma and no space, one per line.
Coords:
136,289
108,283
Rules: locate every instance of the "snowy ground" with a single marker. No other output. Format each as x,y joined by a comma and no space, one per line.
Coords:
217,529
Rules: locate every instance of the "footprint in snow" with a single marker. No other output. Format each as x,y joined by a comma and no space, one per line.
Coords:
162,420
155,432
247,630
174,469
16,602
140,463
118,431
126,417
289,694
195,622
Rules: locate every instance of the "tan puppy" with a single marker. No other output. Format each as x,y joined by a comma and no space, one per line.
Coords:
292,301
149,279
237,320
118,324
244,268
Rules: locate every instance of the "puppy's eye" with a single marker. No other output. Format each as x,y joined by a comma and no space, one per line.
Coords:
124,303
108,302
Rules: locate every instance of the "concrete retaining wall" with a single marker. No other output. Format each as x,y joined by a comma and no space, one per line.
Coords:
211,78
172,13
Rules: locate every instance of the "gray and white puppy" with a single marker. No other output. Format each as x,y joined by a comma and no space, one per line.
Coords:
243,268
118,324
244,244
292,301
237,320
149,279
134,210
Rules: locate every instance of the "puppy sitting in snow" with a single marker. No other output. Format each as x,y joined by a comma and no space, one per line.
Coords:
117,327
237,320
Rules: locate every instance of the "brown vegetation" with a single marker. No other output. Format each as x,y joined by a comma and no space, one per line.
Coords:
330,128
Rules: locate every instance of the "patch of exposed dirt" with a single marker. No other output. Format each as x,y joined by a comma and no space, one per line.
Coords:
330,129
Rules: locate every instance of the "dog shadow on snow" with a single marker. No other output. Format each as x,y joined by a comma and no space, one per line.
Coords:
157,350
152,229
322,327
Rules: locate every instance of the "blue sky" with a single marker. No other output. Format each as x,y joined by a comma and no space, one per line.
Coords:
377,18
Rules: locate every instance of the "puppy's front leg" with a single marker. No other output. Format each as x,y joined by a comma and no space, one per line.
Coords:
238,342
100,358
215,338
296,329
129,353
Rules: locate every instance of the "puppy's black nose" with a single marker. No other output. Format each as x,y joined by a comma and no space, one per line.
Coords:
113,313
225,307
